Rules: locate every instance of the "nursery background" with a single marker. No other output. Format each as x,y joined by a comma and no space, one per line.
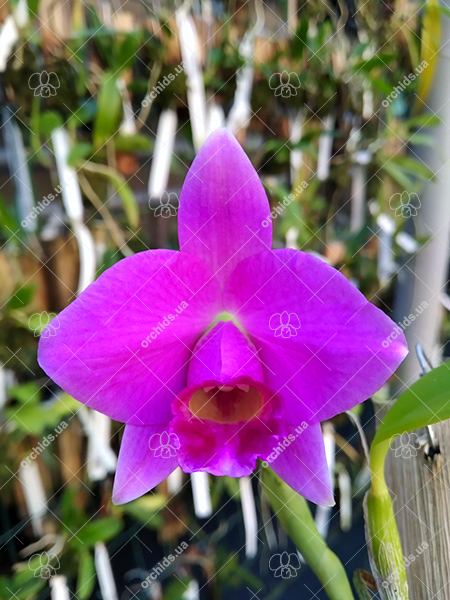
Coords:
343,107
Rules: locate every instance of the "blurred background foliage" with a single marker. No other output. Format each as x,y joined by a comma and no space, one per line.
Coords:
321,74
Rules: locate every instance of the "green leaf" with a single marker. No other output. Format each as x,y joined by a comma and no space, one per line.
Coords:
36,418
232,574
123,189
101,530
423,121
109,107
406,171
377,61
84,115
404,181
72,515
176,590
231,484
132,143
110,258
23,585
300,40
86,576
419,139
22,297
381,85
360,580
8,221
79,151
48,121
129,202
33,6
25,392
146,509
426,402
127,50
414,166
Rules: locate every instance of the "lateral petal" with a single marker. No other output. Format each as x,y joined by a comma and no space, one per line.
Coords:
124,344
345,347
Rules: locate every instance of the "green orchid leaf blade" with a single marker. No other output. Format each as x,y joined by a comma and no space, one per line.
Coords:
86,576
109,109
426,402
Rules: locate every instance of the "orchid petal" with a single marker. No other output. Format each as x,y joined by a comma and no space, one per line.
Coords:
303,466
123,346
222,207
345,349
140,468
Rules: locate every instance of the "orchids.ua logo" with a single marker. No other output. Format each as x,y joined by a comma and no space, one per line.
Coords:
164,205
164,445
409,444
404,83
44,324
41,446
44,84
285,443
162,84
284,565
44,565
402,325
283,204
397,566
40,206
405,204
285,84
163,564
284,324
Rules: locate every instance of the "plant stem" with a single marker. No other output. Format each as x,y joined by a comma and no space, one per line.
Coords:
294,515
114,229
383,540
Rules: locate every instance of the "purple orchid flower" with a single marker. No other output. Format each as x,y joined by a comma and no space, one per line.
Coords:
215,387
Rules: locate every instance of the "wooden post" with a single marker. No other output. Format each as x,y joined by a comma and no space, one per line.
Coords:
421,483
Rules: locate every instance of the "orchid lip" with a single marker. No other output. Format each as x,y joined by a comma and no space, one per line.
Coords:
225,424
226,403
